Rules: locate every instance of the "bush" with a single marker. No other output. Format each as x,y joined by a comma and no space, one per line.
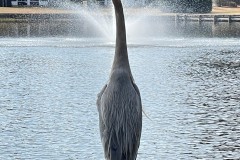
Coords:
202,6
4,3
187,6
232,4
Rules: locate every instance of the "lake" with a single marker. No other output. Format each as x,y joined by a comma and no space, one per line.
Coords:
190,90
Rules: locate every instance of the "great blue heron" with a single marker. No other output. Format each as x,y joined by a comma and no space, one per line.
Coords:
119,102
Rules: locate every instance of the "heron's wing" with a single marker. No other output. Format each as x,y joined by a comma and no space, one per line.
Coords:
120,118
101,123
139,105
126,123
138,119
99,96
136,89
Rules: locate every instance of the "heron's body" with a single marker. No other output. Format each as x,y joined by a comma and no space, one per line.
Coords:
119,102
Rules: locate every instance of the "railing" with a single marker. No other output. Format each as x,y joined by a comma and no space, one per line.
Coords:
207,18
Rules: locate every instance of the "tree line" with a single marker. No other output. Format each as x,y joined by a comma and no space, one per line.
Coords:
185,6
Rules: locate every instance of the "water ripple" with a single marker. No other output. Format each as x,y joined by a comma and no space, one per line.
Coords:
190,94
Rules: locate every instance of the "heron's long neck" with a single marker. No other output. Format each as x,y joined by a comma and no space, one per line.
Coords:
121,54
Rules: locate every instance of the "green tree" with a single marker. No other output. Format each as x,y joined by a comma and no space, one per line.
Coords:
187,6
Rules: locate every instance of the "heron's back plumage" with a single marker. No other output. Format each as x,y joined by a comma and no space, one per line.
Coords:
120,114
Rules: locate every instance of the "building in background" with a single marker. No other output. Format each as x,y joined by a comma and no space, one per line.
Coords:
30,2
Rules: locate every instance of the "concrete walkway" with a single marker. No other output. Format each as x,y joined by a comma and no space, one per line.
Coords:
31,10
42,10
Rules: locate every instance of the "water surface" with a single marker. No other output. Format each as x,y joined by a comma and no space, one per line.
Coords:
190,91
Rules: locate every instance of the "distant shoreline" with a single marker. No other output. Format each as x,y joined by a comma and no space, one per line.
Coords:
26,14
44,10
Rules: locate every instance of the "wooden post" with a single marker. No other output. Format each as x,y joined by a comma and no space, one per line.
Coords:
229,19
215,19
185,18
200,18
176,20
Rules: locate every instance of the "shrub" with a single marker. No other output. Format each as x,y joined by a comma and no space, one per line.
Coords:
4,3
187,6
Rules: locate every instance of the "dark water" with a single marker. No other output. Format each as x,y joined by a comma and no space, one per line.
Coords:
190,90
46,29
136,27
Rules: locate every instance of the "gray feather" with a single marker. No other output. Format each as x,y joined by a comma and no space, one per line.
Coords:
120,117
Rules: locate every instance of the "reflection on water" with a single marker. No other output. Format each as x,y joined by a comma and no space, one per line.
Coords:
190,92
46,29
144,27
